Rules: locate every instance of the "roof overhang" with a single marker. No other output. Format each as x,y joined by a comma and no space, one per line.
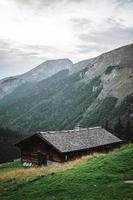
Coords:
20,143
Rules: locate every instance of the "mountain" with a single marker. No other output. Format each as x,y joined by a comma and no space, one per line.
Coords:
41,72
59,95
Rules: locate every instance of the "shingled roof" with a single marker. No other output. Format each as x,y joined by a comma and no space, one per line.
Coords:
73,140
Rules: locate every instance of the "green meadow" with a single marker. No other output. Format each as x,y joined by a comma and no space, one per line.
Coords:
101,177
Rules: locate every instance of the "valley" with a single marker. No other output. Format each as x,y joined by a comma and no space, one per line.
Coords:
58,95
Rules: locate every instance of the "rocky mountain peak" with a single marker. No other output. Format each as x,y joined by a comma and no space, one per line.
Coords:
121,59
47,69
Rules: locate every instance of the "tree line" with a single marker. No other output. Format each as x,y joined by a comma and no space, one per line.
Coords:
120,129
8,151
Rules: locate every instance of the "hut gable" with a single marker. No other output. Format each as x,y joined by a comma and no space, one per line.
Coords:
74,140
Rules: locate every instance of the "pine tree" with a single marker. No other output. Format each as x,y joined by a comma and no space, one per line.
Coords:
107,125
119,129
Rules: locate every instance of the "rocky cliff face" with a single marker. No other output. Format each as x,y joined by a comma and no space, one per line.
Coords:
58,94
115,69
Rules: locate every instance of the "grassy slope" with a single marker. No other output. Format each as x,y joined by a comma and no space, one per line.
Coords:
100,178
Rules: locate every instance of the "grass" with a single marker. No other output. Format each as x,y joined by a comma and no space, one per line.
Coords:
91,178
15,170
7,167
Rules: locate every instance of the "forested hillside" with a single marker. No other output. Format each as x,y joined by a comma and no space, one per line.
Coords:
8,151
95,92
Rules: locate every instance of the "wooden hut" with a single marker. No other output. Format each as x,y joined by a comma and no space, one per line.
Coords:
61,146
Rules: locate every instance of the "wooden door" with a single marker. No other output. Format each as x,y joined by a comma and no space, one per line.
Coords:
42,159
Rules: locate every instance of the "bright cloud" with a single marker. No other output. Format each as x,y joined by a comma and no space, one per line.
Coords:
33,31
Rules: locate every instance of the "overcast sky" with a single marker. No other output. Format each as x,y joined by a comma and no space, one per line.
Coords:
32,31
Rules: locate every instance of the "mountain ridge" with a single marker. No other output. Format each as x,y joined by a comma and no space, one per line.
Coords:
42,71
89,93
80,61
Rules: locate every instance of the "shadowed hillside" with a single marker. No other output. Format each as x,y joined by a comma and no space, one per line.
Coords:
8,151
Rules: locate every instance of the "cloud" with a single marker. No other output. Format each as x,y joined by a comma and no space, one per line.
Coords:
33,31
38,4
81,23
15,60
104,40
46,2
90,47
